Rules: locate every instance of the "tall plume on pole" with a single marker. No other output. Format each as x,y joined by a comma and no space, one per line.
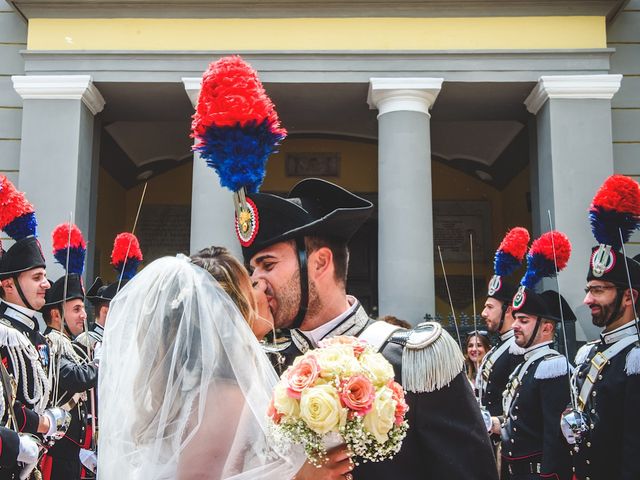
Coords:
69,247
17,216
236,128
548,255
511,251
615,211
126,255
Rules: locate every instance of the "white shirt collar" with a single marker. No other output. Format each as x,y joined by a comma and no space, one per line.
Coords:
619,333
320,332
21,314
539,346
506,335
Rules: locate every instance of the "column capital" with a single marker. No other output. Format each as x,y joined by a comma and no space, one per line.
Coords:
192,85
59,87
403,94
572,87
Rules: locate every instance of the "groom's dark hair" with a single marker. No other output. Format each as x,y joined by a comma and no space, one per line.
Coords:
339,250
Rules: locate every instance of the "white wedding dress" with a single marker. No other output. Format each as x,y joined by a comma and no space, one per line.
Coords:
184,386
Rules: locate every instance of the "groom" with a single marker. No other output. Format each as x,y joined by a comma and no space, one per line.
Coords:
298,246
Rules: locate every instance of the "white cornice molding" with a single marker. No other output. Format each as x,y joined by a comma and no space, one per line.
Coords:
572,87
59,87
403,94
192,85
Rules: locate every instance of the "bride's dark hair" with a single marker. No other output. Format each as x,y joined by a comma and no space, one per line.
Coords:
232,277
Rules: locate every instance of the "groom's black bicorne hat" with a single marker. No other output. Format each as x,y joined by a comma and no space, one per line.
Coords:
312,207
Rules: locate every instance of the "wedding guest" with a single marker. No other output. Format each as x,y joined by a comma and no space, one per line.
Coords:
476,347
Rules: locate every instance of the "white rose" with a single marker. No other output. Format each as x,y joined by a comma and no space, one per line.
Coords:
378,367
320,408
284,404
379,421
337,360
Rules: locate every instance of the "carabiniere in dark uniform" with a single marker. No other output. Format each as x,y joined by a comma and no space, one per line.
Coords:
447,438
602,424
76,376
537,394
499,362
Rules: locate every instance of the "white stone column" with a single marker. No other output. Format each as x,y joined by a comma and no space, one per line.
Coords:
405,228
57,158
574,156
212,211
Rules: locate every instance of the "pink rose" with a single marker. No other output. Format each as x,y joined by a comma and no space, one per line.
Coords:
401,405
357,393
353,342
273,413
301,375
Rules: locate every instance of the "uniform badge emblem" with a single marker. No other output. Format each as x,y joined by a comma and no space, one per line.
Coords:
495,285
519,298
43,352
247,223
602,261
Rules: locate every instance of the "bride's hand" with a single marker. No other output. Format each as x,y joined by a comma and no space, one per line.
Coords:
337,467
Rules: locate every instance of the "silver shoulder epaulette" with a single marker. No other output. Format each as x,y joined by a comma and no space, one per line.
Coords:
551,366
431,358
632,366
583,352
11,337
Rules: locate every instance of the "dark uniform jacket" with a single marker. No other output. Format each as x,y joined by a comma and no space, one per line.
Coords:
75,378
9,448
531,430
611,449
446,440
26,418
495,370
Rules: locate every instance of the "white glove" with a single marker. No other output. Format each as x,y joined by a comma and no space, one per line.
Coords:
59,421
29,449
89,459
97,352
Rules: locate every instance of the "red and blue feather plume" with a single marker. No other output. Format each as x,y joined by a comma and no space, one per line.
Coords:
615,208
126,255
235,126
541,261
67,239
17,217
511,251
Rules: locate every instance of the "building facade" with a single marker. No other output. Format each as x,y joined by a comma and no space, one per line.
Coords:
459,119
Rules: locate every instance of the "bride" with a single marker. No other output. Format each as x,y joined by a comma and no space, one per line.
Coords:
184,386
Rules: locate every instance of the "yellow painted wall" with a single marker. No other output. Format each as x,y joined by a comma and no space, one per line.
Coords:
117,207
358,165
244,34
508,209
112,204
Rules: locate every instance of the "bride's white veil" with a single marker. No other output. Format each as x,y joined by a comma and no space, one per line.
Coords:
184,386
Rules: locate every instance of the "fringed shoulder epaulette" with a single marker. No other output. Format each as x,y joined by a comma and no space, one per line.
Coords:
431,358
633,361
551,366
86,340
514,349
61,345
583,353
12,338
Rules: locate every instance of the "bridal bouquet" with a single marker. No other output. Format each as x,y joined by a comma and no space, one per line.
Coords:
344,390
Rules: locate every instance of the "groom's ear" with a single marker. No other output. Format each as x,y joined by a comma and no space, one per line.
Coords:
321,263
